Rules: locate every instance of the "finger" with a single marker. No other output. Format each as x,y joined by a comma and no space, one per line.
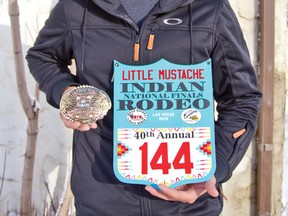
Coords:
156,193
199,189
86,127
83,127
93,125
187,196
182,187
72,125
77,125
173,194
69,124
211,187
69,88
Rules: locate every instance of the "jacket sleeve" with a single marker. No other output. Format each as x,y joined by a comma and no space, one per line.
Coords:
50,56
235,91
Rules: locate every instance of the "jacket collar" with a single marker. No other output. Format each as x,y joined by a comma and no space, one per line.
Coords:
115,8
164,6
168,5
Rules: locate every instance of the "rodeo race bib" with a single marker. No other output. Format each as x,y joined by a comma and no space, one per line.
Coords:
163,123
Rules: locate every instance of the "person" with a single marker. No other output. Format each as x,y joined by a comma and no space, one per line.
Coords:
96,32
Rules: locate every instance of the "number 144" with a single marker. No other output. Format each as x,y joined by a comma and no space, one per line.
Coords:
164,164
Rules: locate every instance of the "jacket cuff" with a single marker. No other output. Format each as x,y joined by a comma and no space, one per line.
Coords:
222,173
56,90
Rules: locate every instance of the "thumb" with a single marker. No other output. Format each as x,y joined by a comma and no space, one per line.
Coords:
211,187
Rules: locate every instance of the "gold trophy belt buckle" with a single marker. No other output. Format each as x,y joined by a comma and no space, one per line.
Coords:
85,104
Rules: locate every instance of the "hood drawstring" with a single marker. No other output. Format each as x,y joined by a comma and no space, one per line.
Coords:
84,34
191,33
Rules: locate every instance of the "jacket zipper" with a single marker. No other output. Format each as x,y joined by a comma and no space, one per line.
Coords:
150,44
136,48
151,39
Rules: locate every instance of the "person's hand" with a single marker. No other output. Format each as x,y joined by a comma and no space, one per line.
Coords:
186,193
76,125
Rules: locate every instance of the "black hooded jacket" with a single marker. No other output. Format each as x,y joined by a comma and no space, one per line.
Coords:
96,32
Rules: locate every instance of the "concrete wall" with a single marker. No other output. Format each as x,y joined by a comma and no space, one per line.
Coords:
240,189
54,141
280,174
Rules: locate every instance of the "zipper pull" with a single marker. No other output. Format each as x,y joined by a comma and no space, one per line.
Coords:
136,49
151,40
